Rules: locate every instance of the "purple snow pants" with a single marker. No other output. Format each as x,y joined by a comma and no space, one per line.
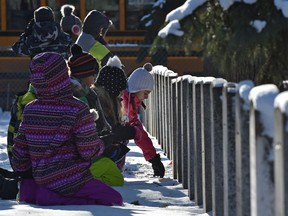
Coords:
94,192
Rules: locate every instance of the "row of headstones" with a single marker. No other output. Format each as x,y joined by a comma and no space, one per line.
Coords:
227,141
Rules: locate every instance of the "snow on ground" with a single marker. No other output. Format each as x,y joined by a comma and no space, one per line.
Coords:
143,194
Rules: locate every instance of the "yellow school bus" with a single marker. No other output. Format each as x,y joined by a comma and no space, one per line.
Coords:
125,36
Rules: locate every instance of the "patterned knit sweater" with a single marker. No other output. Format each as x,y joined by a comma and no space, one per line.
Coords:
57,137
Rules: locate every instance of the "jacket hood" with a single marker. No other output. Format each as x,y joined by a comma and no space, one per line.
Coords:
49,76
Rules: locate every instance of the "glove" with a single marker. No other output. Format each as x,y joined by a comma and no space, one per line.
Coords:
157,166
108,139
116,151
123,132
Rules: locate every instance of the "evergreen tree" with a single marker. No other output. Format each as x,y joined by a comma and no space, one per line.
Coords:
154,22
231,45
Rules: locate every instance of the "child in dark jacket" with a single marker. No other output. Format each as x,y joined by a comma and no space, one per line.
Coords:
83,71
140,84
70,23
43,34
56,142
109,86
91,39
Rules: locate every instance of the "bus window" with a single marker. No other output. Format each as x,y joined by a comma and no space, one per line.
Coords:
135,10
19,13
0,20
109,7
56,6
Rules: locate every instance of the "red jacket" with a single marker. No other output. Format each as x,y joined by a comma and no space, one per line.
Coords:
141,139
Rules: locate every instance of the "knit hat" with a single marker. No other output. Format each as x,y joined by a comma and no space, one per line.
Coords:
67,9
141,79
69,22
43,14
82,64
112,78
49,74
94,21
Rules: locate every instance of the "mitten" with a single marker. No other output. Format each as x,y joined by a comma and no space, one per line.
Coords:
123,132
157,166
116,151
108,139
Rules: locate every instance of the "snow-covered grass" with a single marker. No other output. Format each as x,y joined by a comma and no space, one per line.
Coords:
142,194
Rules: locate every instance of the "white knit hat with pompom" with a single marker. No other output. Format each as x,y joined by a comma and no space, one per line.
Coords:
141,79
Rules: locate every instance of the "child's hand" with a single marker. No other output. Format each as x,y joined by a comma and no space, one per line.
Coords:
124,132
108,139
157,166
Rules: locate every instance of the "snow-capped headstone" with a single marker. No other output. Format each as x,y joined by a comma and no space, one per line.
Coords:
217,146
242,148
262,150
229,183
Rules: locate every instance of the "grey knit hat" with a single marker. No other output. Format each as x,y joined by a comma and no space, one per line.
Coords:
141,79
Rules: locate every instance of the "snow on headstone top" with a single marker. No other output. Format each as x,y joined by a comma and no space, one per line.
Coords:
262,98
281,102
197,80
171,73
218,82
189,78
244,87
231,87
159,69
208,79
177,79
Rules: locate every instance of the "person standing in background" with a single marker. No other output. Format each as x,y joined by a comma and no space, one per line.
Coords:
92,37
70,23
43,34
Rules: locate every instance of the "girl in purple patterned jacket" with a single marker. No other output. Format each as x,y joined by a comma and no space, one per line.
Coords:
56,142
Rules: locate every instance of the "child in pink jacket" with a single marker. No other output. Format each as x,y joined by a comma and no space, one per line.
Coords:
140,84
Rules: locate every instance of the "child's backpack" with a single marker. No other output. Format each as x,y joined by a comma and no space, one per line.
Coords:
22,98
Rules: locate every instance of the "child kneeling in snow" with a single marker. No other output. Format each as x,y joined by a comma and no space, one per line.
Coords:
56,142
